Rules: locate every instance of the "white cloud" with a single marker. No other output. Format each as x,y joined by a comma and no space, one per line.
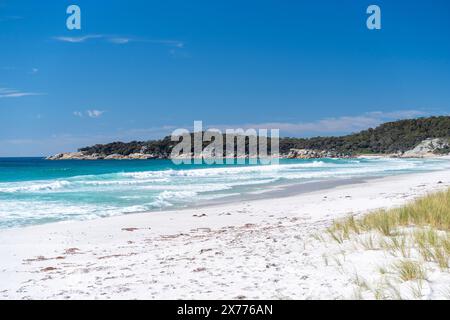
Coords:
171,43
120,40
13,93
125,40
79,39
89,113
115,39
34,70
94,113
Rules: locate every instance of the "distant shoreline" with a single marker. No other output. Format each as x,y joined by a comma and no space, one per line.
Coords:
77,156
410,138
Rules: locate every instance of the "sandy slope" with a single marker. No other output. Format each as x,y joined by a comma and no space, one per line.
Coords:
263,248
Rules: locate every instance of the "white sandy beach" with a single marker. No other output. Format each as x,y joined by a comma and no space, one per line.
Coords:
256,249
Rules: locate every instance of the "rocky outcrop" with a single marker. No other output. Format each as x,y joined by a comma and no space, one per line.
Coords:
428,148
114,156
97,156
141,156
67,156
293,154
314,154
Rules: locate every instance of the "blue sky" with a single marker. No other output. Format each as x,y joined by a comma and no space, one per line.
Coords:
139,69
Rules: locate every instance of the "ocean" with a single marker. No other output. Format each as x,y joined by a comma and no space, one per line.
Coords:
37,191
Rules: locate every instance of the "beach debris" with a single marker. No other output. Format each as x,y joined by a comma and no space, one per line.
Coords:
48,269
201,230
200,215
117,256
72,251
42,258
38,258
130,229
172,236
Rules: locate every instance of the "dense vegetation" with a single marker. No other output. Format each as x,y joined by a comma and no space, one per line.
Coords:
391,137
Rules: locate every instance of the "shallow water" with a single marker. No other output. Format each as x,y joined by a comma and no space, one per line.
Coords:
34,190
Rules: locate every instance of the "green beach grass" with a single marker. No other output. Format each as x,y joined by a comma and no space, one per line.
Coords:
415,236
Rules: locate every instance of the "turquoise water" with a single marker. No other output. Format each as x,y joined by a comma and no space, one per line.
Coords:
34,191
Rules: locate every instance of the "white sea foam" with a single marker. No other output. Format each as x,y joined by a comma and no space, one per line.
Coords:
33,186
90,196
227,170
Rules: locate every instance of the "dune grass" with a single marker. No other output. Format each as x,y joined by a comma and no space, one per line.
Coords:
431,211
410,270
423,226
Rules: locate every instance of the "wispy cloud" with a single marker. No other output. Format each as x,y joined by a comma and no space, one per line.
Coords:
89,113
94,113
79,39
344,124
125,40
13,93
34,70
120,40
170,43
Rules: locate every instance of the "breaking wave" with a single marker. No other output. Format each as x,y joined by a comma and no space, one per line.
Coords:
145,189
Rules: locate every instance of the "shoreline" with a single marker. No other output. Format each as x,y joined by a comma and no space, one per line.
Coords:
268,192
77,156
281,186
260,248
